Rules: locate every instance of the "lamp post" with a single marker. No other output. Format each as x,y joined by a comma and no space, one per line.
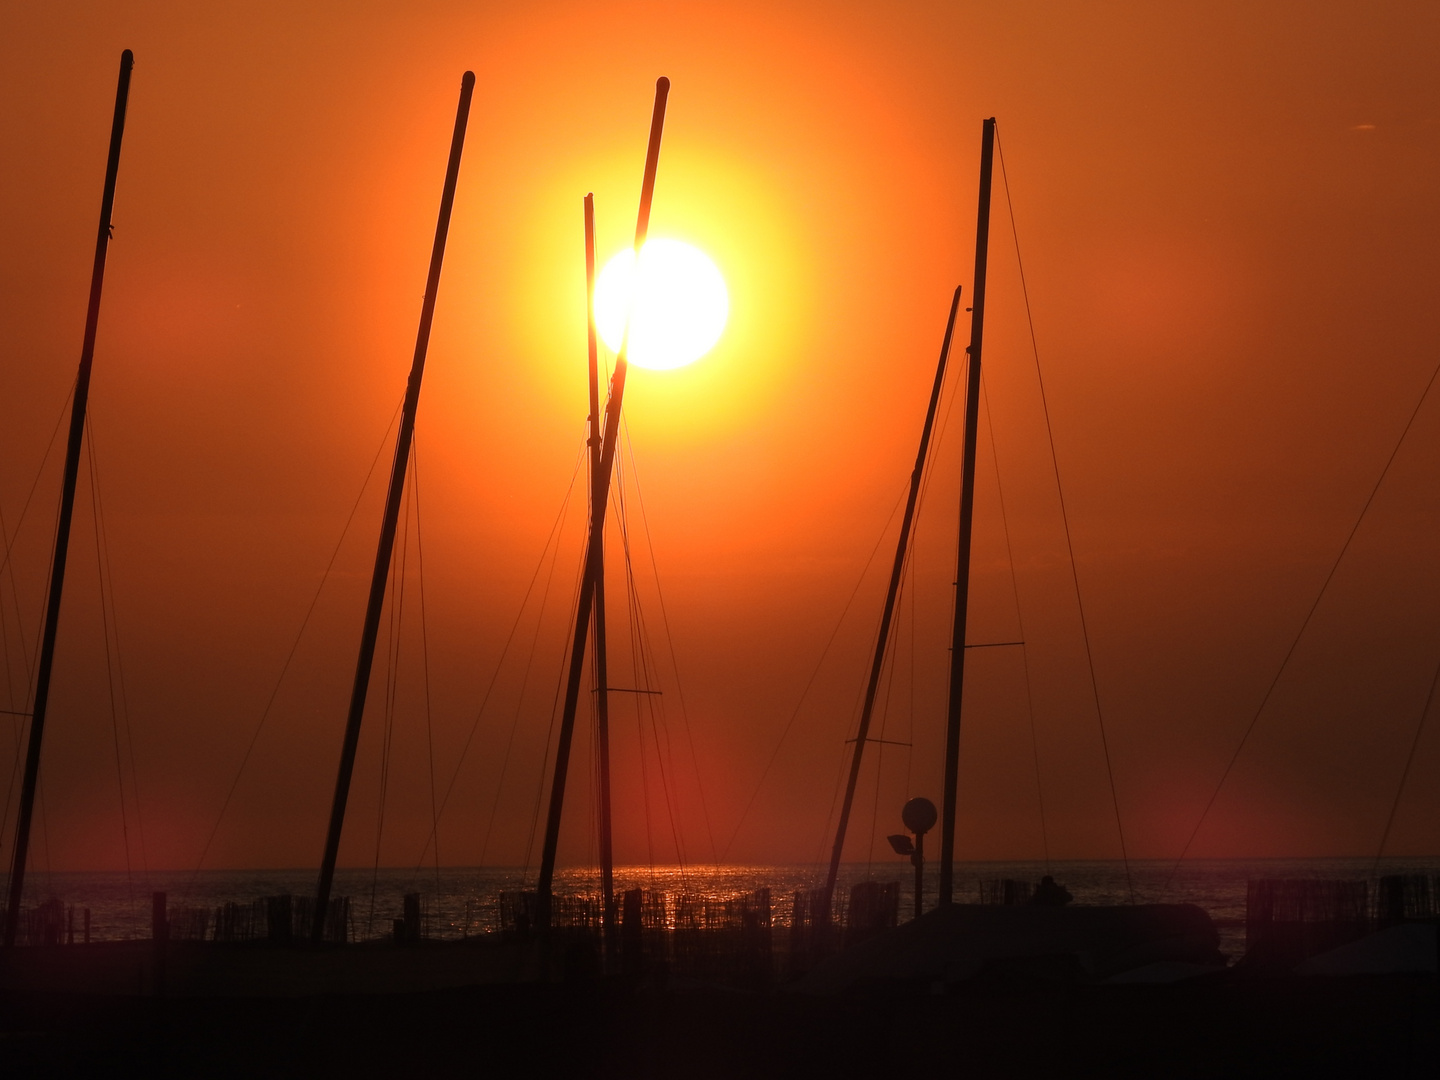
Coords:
919,816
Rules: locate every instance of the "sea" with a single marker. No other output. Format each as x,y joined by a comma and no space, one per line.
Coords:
462,902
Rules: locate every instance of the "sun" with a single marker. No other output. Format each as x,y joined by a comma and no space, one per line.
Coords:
679,311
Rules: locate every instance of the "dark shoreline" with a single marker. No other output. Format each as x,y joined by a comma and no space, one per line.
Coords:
1227,1025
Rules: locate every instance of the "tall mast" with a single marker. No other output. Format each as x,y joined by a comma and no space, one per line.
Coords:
392,513
594,554
897,570
602,686
67,508
967,509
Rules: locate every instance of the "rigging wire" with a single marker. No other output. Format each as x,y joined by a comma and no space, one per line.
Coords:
1019,623
30,677
857,707
910,726
556,532
556,527
425,664
109,667
19,728
294,647
119,653
17,716
593,712
5,625
598,783
519,704
45,834
31,660
393,645
805,691
914,641
645,794
888,675
1065,520
1304,625
950,394
560,680
670,646
25,508
647,675
642,660
840,767
555,705
636,660
1405,773
27,655
880,739
592,817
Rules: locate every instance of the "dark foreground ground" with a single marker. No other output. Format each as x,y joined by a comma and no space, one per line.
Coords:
1225,1026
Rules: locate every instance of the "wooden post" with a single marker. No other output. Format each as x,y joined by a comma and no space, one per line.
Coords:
919,860
67,508
967,512
159,922
160,938
593,556
386,546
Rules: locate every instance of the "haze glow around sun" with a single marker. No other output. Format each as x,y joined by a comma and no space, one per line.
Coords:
680,309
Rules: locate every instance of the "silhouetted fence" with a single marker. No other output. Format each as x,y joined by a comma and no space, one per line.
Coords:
740,938
43,924
871,908
189,924
1289,920
516,912
1002,891
874,908
240,922
1406,897
278,920
728,938
813,931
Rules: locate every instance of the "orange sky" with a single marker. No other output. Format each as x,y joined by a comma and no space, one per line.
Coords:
1230,233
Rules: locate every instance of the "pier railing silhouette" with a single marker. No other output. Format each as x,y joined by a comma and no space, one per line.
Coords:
275,920
1005,891
743,937
746,937
1290,920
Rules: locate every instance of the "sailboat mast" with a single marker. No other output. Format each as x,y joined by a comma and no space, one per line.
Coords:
602,685
967,513
896,572
386,546
593,557
67,508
